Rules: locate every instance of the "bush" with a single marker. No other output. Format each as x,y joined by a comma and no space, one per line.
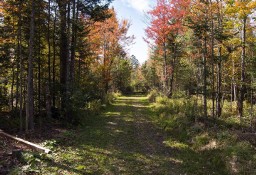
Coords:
187,107
152,95
117,94
179,94
111,97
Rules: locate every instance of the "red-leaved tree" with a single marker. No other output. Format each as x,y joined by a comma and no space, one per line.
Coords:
165,24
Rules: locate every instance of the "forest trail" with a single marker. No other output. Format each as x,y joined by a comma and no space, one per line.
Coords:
135,135
122,140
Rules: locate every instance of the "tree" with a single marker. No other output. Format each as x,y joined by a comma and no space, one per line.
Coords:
106,37
165,24
242,9
30,86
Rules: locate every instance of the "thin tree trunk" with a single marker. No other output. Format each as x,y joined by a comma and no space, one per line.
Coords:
48,101
242,80
19,57
219,83
165,69
69,46
73,43
212,59
79,69
39,77
12,86
205,77
30,90
104,76
54,61
251,113
49,42
64,55
170,93
219,65
233,82
39,90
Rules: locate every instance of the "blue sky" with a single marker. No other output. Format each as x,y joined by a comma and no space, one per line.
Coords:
134,11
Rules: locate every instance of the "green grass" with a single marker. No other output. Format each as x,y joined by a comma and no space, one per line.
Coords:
119,141
133,136
204,145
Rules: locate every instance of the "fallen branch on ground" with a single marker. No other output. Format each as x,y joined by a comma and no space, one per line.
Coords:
32,145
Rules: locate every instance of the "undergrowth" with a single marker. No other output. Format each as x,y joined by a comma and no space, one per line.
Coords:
205,145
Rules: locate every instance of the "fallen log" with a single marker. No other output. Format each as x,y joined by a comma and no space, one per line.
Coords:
29,144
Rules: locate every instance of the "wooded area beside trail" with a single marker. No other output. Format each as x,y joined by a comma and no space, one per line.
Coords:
204,48
60,57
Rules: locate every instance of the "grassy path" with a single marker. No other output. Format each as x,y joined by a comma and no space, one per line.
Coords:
120,141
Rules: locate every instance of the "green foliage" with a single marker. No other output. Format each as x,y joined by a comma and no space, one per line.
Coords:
182,106
209,143
152,95
31,163
111,97
121,73
175,144
179,94
50,144
201,140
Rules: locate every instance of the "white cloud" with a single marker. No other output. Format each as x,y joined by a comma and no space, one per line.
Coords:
139,5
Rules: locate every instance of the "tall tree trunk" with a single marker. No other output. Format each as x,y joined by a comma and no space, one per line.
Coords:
30,87
79,69
12,86
165,85
219,65
64,54
39,88
19,58
242,80
54,61
39,75
212,60
173,63
49,42
73,43
251,113
234,92
104,76
219,83
69,42
205,76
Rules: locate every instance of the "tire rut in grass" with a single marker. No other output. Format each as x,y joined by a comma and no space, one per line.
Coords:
139,142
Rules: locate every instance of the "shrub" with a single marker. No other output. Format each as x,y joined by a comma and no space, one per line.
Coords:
152,95
117,94
179,94
188,107
110,97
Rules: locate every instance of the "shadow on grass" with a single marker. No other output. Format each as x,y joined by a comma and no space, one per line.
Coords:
120,141
209,147
123,140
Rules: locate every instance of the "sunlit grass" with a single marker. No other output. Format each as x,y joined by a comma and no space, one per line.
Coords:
175,144
109,144
206,145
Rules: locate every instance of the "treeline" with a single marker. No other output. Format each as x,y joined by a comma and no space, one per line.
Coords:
205,49
58,56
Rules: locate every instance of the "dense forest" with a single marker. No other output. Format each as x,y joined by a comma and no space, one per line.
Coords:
65,66
204,48
60,56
